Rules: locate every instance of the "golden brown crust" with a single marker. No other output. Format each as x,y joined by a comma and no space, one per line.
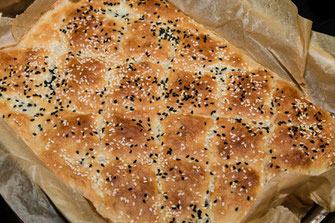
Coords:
130,193
82,83
184,189
238,141
24,71
303,135
137,85
192,93
248,94
184,137
302,149
129,137
235,184
152,117
293,109
144,44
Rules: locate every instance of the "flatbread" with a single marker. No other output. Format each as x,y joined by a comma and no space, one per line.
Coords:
154,118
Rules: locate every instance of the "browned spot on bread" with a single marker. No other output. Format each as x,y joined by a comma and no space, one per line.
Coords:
185,137
238,141
129,137
130,193
184,186
142,40
88,31
196,50
294,109
24,72
192,93
301,148
248,94
81,83
236,187
137,86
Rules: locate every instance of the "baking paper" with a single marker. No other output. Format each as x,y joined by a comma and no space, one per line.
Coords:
273,34
10,8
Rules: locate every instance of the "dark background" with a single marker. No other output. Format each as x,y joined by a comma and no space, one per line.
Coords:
322,13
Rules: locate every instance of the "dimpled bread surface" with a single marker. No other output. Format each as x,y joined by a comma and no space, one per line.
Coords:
152,117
